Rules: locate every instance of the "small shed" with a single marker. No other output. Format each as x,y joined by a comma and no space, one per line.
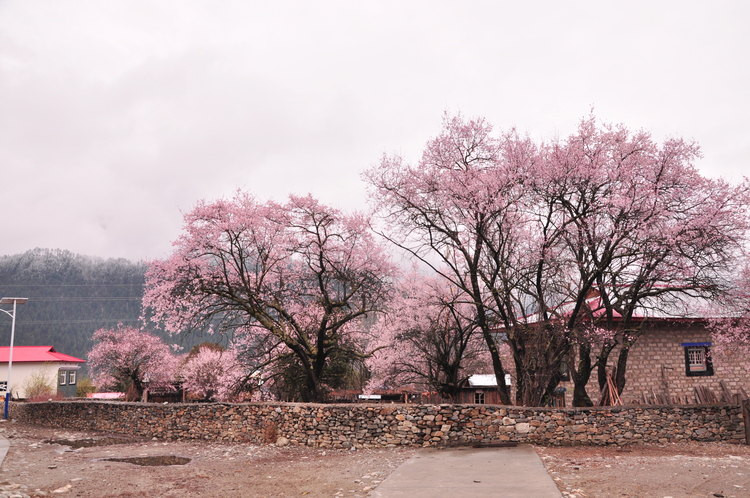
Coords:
481,389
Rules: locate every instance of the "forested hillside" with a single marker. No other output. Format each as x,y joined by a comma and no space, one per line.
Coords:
71,296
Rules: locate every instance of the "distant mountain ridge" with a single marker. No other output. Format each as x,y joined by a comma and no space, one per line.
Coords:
70,297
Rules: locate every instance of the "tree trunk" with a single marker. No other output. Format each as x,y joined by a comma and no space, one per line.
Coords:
313,392
535,388
549,393
497,367
134,391
580,396
539,379
497,364
450,387
518,360
622,365
581,375
601,370
538,356
601,364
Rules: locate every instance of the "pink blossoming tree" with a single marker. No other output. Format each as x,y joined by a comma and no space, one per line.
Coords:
444,208
428,339
528,232
294,280
642,229
126,358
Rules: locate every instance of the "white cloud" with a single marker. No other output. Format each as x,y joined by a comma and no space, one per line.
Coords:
116,117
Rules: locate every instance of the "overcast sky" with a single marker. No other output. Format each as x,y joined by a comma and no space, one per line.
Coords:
116,117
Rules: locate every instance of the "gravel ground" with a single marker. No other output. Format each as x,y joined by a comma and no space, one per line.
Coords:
671,470
39,464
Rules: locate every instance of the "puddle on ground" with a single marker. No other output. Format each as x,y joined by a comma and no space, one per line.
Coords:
152,461
89,442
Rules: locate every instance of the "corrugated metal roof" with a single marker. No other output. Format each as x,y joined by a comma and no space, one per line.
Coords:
27,354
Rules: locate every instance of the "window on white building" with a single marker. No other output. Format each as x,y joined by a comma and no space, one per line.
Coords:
63,378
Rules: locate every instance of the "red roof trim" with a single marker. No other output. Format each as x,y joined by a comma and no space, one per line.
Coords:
30,354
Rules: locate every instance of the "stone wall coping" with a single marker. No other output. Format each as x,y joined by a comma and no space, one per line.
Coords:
579,409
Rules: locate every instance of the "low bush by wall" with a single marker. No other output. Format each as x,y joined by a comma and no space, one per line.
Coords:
376,425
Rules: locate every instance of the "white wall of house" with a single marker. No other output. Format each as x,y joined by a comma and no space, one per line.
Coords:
23,373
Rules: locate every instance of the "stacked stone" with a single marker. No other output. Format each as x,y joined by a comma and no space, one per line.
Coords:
375,425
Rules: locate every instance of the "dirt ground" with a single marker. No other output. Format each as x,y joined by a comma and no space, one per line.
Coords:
671,470
38,464
34,467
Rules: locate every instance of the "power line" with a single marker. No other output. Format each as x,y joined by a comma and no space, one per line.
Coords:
96,320
79,299
103,284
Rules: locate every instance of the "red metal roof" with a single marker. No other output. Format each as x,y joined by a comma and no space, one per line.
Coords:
23,354
682,308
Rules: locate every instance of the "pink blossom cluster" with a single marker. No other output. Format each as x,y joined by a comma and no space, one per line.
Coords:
213,374
126,356
731,328
603,203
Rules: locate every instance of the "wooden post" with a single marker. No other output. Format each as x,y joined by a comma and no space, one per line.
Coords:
746,417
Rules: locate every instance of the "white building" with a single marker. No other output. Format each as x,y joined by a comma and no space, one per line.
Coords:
34,364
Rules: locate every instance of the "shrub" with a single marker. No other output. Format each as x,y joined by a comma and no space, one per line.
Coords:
84,387
38,386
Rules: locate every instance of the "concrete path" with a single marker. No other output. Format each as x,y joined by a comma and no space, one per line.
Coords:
506,472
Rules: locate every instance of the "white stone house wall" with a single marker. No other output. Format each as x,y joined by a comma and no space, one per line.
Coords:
22,373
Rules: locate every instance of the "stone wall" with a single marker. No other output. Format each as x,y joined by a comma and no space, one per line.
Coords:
376,425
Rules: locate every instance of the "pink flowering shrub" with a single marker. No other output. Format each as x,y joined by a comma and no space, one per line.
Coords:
126,358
